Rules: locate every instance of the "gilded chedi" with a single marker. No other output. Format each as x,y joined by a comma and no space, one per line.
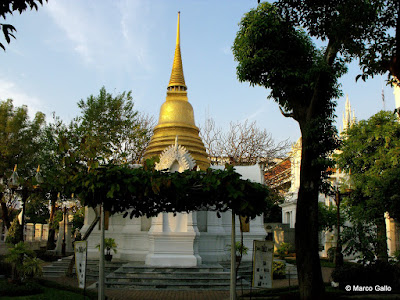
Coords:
177,117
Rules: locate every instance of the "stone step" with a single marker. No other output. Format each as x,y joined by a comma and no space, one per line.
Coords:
157,277
60,267
166,285
138,276
174,275
200,269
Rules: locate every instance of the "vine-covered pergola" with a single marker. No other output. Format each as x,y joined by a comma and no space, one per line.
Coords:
147,192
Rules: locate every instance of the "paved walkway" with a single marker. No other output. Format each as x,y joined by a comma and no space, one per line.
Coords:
123,294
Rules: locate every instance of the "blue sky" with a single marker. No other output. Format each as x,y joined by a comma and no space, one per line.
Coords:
68,50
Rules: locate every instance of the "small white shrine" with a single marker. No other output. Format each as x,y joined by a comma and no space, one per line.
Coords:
184,240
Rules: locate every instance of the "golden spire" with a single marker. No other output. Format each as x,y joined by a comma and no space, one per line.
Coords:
177,117
177,79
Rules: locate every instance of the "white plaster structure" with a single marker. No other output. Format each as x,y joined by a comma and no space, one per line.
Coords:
184,240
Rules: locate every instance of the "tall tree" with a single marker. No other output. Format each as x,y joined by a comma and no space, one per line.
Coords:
58,160
371,152
8,7
20,145
110,128
274,52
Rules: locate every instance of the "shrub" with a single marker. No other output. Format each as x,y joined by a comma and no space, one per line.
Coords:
378,273
24,262
14,233
278,270
283,250
5,267
239,248
25,289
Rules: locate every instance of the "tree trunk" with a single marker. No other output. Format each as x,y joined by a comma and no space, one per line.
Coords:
52,232
4,209
308,265
381,248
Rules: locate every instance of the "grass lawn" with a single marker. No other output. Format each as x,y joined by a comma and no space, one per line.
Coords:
42,290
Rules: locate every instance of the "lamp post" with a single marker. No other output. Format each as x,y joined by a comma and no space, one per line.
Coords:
65,207
63,241
338,200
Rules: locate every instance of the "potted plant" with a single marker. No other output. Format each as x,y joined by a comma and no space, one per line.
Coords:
240,250
109,244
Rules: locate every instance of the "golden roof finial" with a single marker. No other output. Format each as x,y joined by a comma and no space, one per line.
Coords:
177,79
177,118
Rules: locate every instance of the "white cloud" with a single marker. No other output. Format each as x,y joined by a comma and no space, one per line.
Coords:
9,90
105,34
254,115
74,22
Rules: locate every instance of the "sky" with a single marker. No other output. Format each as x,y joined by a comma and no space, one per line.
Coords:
68,49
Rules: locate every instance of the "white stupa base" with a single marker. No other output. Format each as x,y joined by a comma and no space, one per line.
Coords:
172,249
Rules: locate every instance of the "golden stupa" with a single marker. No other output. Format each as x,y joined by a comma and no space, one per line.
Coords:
177,118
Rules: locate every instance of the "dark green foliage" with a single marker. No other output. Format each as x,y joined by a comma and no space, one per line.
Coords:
24,261
371,151
274,214
36,210
380,54
327,218
5,267
148,192
378,273
360,239
14,233
20,145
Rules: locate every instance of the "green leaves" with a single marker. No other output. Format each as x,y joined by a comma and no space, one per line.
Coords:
370,152
149,192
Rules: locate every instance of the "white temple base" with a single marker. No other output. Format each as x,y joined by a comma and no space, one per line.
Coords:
172,249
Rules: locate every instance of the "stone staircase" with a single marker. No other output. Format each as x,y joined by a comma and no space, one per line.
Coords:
138,276
135,275
60,267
